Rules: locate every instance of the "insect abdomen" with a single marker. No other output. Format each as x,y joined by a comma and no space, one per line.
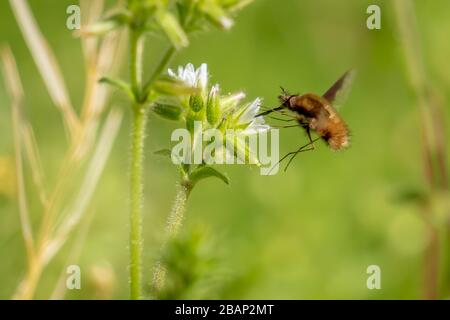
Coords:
335,135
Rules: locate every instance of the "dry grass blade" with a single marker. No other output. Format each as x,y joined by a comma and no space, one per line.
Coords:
90,181
75,252
107,60
93,11
102,57
14,85
11,75
407,27
34,161
45,62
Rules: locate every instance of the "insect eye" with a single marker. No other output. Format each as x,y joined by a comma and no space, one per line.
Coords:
287,101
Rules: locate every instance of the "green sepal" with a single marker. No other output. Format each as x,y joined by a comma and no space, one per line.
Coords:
169,112
173,87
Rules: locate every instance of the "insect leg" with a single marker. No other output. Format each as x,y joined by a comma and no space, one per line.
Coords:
285,120
310,146
281,160
294,153
290,126
308,132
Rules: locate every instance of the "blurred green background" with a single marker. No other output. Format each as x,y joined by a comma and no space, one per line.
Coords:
306,234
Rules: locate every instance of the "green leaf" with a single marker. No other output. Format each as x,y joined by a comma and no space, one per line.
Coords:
204,172
163,152
168,153
183,168
122,85
107,25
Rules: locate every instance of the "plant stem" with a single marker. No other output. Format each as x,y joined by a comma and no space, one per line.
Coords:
168,55
136,47
178,210
433,145
137,150
173,227
136,190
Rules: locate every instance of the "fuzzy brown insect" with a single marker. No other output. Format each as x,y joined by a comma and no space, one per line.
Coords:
317,114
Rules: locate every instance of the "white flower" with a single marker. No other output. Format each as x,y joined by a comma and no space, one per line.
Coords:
249,112
239,116
191,77
247,117
231,101
256,126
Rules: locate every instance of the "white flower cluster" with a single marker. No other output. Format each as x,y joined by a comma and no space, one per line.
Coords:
229,108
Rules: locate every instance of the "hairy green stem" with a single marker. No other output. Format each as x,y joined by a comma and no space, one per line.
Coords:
173,227
178,210
136,185
138,136
136,47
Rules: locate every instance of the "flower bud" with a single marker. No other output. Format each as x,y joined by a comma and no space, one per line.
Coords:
216,14
237,5
196,102
169,112
172,28
213,106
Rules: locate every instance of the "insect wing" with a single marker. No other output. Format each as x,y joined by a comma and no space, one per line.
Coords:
339,91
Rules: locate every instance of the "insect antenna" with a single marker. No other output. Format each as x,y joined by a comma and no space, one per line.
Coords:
284,92
285,97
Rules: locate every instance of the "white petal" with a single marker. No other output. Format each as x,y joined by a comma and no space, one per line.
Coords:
180,72
251,130
214,90
256,126
189,75
250,112
231,101
189,68
202,76
226,23
171,73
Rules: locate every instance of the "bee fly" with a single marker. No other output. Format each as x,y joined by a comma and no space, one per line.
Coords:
317,114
